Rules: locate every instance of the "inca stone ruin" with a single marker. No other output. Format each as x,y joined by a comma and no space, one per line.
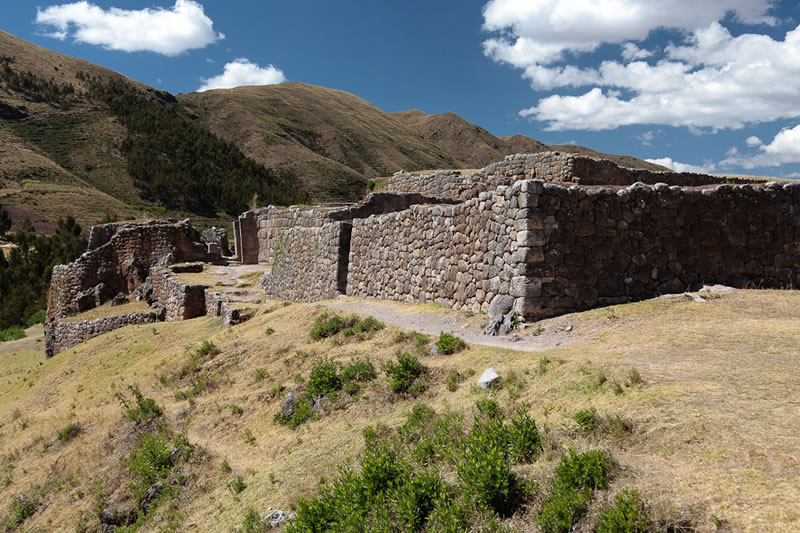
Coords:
536,235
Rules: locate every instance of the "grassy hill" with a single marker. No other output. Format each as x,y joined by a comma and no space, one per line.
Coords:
691,403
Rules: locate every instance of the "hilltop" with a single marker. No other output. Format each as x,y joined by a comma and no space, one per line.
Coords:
72,140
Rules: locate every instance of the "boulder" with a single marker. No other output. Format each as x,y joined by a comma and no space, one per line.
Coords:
218,237
488,378
500,306
119,299
287,408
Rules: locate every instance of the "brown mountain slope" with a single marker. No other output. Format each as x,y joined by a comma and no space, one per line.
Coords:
335,141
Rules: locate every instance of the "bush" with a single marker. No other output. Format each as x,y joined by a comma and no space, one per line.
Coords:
11,334
627,515
587,470
382,469
22,507
404,373
368,325
237,485
150,461
586,419
36,318
524,441
561,510
324,379
146,409
69,432
327,325
361,371
449,344
577,476
417,499
485,469
253,523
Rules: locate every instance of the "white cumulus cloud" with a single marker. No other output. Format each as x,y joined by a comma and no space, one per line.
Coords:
707,79
683,167
172,31
753,141
242,71
784,148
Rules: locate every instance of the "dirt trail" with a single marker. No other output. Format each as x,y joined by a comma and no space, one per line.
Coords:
432,320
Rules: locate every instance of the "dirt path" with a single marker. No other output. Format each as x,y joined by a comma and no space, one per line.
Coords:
432,320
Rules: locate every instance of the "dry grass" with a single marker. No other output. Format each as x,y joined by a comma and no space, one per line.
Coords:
106,310
715,421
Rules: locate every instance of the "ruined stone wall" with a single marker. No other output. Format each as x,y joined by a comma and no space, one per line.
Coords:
601,246
461,256
119,261
67,334
556,167
309,263
181,301
448,184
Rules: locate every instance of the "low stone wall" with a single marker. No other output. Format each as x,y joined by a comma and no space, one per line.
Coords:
309,263
180,300
461,256
600,246
67,334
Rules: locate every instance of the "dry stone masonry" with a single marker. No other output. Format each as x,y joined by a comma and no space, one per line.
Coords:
534,235
538,235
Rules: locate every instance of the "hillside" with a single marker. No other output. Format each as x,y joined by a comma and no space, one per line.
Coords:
334,141
690,402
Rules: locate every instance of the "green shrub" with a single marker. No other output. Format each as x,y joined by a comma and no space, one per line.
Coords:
22,507
225,466
485,469
368,325
488,408
627,515
452,381
269,331
253,523
417,498
207,350
524,441
577,476
328,325
447,343
146,409
561,510
404,373
11,334
302,412
382,469
237,485
324,378
361,371
36,318
587,470
69,432
150,461
586,419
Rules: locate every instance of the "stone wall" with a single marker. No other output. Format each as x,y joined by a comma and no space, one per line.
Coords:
600,246
309,263
557,167
461,256
119,261
67,334
181,301
447,184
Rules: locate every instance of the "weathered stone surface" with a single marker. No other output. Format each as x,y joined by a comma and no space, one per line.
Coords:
119,299
500,306
487,379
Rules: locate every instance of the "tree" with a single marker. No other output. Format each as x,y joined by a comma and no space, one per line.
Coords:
5,221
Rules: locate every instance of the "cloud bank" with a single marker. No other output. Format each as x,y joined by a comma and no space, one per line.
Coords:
708,79
172,31
784,148
242,71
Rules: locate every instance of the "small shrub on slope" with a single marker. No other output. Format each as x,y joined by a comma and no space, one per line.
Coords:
627,515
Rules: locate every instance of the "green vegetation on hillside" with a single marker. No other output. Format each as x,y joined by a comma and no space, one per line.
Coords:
31,85
182,164
25,274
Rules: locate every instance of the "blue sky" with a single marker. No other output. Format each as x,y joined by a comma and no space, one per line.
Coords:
699,85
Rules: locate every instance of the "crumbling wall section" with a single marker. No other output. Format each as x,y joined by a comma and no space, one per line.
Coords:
602,246
555,167
461,256
181,301
67,334
306,262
